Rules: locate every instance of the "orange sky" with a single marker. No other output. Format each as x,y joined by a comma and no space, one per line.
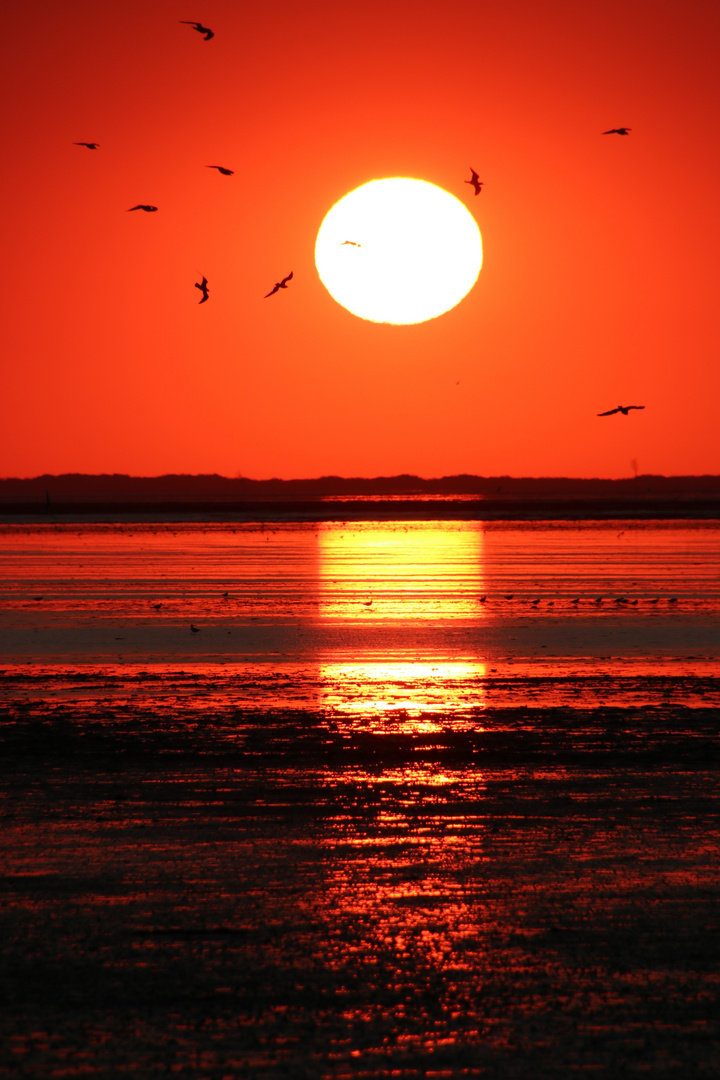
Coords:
598,285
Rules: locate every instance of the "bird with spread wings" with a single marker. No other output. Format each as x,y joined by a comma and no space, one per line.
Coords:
199,27
279,285
203,287
475,181
624,409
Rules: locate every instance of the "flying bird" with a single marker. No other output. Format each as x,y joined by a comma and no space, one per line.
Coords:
279,285
199,27
202,286
475,181
618,131
220,169
353,243
90,145
624,409
144,206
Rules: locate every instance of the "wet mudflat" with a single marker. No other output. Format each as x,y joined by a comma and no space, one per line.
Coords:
294,898
414,847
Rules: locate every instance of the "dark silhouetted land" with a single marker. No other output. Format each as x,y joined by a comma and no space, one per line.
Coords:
340,498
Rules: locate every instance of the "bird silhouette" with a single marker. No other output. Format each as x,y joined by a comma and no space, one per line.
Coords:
221,169
199,27
618,131
475,181
624,409
195,629
144,206
279,285
202,286
353,243
90,145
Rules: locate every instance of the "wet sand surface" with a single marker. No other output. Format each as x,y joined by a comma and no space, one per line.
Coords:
387,828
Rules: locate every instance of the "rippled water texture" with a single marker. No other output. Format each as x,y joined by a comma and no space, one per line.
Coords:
370,800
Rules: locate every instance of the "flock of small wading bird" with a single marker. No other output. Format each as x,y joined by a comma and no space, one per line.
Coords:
620,601
475,182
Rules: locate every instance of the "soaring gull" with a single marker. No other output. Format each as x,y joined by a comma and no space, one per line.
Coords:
624,409
279,285
199,27
475,181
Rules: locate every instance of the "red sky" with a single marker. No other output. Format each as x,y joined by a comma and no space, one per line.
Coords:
598,287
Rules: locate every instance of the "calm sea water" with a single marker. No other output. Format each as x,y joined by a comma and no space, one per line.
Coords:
411,800
367,618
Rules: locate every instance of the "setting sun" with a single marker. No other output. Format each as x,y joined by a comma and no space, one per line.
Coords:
398,251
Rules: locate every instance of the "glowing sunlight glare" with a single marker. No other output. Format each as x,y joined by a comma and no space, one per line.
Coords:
398,251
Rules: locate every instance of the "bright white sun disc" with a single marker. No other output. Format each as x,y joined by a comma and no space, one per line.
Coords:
398,251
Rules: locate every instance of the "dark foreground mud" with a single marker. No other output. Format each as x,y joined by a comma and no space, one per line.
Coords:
208,894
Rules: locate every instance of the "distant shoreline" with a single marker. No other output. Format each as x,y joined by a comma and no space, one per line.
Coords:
177,497
361,509
211,488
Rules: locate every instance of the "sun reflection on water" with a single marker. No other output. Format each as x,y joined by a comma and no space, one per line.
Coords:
389,574
419,571
411,690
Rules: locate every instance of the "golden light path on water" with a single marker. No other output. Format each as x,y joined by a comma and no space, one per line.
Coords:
353,614
423,573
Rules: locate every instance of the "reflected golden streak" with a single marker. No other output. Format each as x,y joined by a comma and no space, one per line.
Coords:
390,574
402,689
421,571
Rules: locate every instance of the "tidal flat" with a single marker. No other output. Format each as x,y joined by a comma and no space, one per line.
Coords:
412,800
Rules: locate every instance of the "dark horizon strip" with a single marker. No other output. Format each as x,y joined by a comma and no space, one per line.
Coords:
301,510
